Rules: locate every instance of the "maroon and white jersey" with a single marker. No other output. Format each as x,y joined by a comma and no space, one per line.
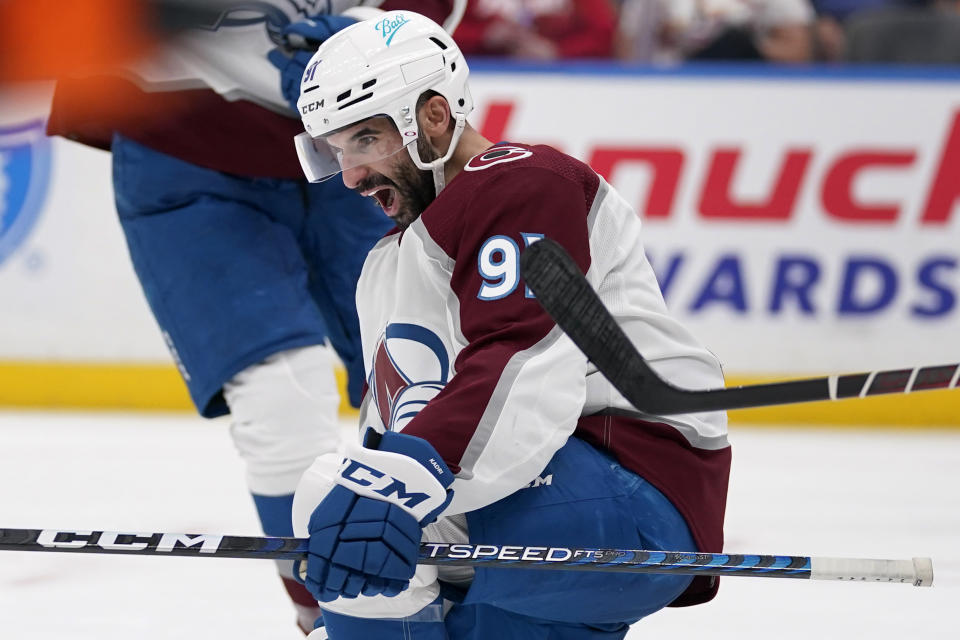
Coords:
210,96
459,352
229,56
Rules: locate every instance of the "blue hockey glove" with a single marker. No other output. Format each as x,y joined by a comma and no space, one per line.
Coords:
302,40
365,534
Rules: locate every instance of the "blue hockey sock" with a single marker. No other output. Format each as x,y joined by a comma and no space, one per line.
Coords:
275,518
275,514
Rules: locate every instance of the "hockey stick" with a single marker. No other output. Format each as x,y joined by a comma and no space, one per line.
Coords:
918,571
563,291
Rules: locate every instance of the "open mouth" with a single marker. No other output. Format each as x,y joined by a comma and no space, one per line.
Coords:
387,198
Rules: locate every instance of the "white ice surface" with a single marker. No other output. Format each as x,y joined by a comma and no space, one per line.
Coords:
793,492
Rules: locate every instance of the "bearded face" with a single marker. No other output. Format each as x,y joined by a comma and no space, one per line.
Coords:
403,191
375,163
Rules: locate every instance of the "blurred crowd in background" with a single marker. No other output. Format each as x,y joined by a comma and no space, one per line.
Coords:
670,31
35,33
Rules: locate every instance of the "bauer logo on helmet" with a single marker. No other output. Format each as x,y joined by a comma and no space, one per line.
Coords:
370,70
388,27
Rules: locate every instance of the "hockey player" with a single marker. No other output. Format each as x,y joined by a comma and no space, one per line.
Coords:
249,270
484,422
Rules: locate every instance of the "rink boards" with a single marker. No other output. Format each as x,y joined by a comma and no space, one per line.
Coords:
800,223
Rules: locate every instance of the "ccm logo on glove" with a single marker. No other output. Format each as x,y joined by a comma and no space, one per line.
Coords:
382,484
365,533
404,470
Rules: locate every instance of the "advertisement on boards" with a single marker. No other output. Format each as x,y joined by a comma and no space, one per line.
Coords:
799,223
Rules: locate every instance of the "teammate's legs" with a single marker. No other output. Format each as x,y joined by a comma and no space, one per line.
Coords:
227,283
340,229
283,416
218,263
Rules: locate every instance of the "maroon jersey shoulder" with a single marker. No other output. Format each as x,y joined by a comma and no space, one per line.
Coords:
508,161
509,187
195,125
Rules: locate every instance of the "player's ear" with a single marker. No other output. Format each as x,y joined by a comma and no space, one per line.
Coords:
435,118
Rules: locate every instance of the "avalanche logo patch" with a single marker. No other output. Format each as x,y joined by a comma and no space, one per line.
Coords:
410,366
497,155
24,181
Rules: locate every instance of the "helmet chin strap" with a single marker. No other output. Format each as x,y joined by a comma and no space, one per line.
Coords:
436,167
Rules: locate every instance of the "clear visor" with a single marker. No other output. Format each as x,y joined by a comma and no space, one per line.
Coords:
364,143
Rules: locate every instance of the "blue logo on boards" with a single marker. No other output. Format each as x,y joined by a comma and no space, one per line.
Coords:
24,180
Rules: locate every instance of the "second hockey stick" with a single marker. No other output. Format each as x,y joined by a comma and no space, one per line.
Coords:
563,291
918,571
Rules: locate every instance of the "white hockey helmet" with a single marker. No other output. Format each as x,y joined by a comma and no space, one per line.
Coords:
379,67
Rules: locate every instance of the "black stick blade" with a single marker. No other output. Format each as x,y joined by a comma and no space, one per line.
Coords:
564,293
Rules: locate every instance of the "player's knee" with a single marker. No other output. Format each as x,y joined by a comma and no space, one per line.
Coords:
416,600
284,414
425,624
